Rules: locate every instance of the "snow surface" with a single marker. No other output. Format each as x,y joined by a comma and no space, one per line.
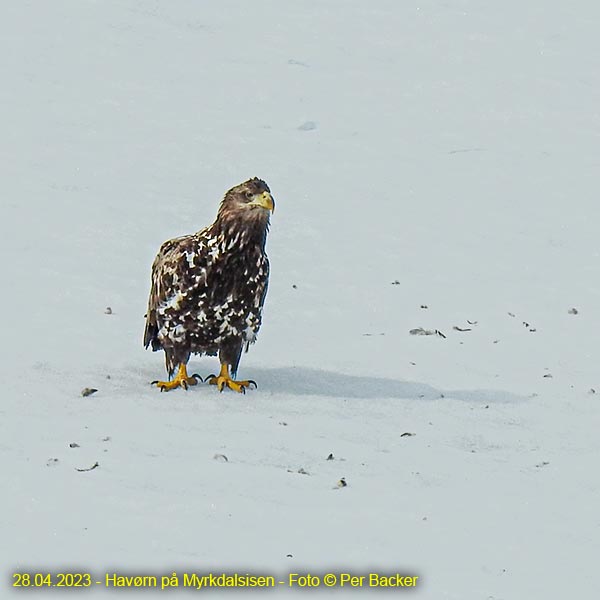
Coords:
450,146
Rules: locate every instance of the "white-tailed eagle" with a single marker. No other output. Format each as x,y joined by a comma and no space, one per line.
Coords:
208,289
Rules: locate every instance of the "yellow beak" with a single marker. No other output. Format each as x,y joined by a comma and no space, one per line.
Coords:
264,200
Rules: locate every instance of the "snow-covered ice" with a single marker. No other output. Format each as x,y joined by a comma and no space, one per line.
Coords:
438,154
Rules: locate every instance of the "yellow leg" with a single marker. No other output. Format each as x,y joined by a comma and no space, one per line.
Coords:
224,380
181,380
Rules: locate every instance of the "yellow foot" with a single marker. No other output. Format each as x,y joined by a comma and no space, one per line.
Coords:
223,380
181,380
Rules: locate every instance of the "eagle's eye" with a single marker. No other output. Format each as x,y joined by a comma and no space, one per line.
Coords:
249,194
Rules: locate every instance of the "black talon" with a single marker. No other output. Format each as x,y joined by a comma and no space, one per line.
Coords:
184,384
154,382
243,390
252,381
211,376
198,377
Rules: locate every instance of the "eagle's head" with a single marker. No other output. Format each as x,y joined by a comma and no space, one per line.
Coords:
246,208
251,199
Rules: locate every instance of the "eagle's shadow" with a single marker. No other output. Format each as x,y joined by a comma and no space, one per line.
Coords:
303,381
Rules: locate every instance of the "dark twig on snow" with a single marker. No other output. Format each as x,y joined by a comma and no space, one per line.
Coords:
94,466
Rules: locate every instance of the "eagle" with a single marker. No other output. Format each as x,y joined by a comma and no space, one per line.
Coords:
208,289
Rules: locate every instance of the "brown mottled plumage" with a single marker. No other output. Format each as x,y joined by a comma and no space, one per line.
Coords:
208,288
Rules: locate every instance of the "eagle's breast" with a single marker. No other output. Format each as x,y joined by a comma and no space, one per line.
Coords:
217,286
